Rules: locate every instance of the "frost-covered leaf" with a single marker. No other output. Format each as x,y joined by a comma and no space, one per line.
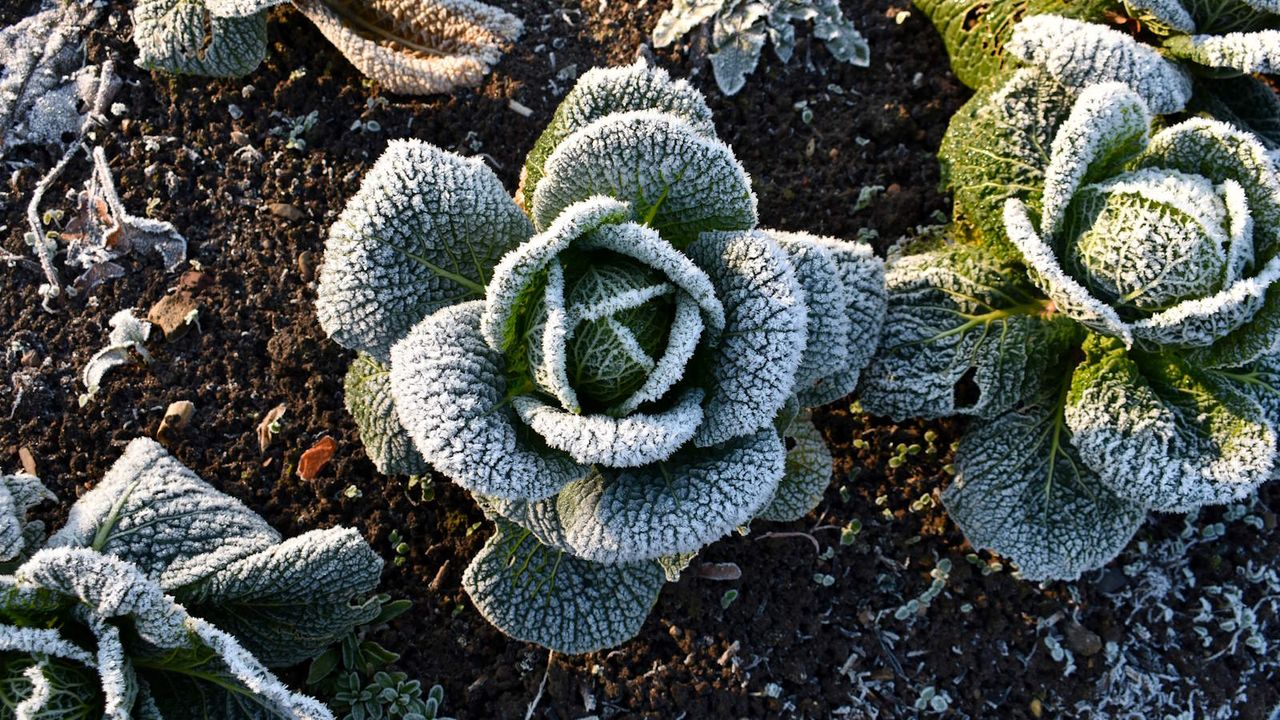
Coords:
807,473
1245,102
677,180
965,333
423,232
1163,16
682,18
539,594
828,338
451,393
151,511
1249,342
1247,52
42,78
416,48
997,148
1079,54
682,505
184,37
598,439
738,37
18,538
1165,434
860,300
752,366
49,689
128,335
1022,490
606,91
367,394
287,603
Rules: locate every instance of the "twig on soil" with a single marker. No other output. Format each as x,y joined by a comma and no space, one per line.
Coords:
22,262
542,686
816,545
43,250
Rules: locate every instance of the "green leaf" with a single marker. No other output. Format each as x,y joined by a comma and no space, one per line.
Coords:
18,538
677,180
1021,490
605,91
59,689
1252,340
965,333
424,232
367,394
997,147
1244,101
153,512
183,36
538,594
1164,434
807,473
323,665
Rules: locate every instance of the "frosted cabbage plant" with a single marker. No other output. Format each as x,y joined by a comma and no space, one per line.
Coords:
416,47
163,598
615,374
1118,345
1199,55
740,29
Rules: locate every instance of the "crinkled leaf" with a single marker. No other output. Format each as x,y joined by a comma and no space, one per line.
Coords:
750,371
367,394
965,333
1244,101
451,393
677,180
681,505
48,689
605,91
997,148
538,594
1164,434
1252,340
828,340
289,602
424,232
18,538
183,36
807,473
738,37
1021,490
151,511
1247,52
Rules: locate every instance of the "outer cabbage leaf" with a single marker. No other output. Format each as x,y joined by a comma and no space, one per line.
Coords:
605,91
183,36
151,511
1245,101
450,390
539,594
1079,54
997,148
1022,490
677,181
1247,52
1165,434
424,232
750,370
1252,340
18,494
48,689
965,333
289,602
598,439
807,473
628,515
828,332
367,394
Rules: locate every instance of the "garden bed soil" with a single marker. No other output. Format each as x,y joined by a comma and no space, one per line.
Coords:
813,630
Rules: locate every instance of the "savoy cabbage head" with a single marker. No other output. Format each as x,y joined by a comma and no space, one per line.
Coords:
164,598
1198,55
417,48
740,29
615,374
1116,342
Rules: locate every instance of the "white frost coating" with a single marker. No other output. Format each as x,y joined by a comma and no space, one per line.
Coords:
419,235
462,41
450,391
827,332
1202,321
664,509
1104,119
553,372
682,340
631,441
39,641
182,36
1240,250
513,273
246,668
754,364
625,300
128,334
807,474
1248,52
1080,54
18,494
608,91
238,8
41,692
1069,295
678,181
1169,13
648,247
366,392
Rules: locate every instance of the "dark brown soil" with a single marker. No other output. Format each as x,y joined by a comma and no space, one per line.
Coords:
791,645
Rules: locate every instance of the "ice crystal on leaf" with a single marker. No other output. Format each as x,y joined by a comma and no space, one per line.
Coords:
1123,319
608,388
416,47
161,590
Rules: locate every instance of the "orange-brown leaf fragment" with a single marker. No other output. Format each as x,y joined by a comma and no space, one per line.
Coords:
316,457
